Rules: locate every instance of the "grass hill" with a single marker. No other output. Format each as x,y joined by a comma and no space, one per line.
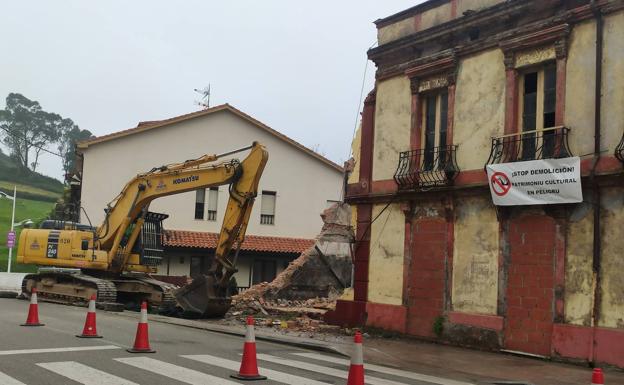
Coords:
30,185
36,195
24,209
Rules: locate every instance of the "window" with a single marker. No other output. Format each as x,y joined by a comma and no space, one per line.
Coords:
213,200
267,208
200,198
263,271
538,99
435,113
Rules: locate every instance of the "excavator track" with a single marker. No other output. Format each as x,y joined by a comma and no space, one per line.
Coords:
76,288
167,303
72,288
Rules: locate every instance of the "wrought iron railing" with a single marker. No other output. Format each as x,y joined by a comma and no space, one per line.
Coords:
546,143
619,150
426,168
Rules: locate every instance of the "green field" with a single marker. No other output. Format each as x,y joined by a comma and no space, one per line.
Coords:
24,209
23,189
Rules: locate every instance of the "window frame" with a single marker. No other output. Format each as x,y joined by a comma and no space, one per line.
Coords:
211,215
268,219
441,96
540,98
202,203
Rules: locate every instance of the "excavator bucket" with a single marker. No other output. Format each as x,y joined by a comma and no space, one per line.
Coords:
202,298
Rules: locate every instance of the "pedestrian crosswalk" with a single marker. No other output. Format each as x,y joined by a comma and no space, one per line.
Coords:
293,368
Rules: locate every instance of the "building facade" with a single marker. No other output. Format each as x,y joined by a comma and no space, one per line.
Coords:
461,84
295,188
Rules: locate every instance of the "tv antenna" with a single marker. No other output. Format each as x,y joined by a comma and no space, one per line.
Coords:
205,97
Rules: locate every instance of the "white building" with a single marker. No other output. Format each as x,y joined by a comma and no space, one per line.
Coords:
296,186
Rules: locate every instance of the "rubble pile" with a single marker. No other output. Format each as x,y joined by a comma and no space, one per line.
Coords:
299,296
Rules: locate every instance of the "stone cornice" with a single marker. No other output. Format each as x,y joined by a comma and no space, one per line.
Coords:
462,23
533,39
399,56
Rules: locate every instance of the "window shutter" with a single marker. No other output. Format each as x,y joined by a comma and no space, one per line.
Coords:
267,206
213,198
200,196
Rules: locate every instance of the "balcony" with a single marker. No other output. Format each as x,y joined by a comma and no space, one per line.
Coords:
426,168
619,150
547,143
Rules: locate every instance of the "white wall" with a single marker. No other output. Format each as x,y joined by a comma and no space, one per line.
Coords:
176,265
303,183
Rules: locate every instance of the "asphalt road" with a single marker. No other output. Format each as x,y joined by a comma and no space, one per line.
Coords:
53,355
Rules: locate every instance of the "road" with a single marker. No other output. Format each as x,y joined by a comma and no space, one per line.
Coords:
53,355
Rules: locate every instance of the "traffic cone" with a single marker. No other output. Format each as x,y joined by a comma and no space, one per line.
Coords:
90,331
597,377
249,364
141,341
356,370
33,310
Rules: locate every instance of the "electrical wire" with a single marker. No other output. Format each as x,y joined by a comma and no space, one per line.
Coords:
32,144
358,242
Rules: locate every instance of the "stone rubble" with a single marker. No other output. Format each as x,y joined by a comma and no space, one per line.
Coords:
299,296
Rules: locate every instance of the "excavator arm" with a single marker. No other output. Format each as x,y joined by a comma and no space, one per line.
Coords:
126,213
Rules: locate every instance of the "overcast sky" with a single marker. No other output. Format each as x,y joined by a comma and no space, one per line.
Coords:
294,65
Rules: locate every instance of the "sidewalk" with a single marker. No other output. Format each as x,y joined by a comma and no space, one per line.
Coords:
432,359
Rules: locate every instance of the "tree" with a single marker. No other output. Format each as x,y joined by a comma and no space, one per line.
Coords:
71,134
25,127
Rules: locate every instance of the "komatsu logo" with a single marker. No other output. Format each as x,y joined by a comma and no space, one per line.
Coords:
191,178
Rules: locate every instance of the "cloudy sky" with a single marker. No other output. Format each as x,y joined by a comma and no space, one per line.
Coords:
295,65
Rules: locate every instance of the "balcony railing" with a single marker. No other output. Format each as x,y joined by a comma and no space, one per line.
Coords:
546,143
426,168
619,150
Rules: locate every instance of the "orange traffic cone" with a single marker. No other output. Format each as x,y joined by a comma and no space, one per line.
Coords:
90,331
249,365
356,370
141,341
597,377
33,310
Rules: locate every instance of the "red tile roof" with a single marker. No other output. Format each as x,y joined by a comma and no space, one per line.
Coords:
205,240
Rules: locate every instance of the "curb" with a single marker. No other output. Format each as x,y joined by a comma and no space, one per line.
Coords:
284,340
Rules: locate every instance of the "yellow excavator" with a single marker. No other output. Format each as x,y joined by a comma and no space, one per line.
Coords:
115,260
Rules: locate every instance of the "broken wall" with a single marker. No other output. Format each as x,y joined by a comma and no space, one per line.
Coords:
475,256
479,112
579,276
613,81
612,261
580,84
392,125
387,236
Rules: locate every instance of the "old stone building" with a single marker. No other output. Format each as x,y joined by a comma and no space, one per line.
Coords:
462,84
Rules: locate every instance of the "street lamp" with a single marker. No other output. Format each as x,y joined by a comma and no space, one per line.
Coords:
11,238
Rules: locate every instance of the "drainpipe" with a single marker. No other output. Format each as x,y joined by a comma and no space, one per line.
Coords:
595,187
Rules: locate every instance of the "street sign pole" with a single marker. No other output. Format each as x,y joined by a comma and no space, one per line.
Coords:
12,222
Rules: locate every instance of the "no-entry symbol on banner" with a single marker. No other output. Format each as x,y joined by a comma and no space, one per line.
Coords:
500,183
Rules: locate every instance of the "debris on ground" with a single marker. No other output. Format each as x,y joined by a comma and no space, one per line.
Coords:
300,295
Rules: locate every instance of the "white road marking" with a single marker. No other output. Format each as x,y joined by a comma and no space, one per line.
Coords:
385,369
175,372
273,375
324,369
6,380
57,350
84,374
